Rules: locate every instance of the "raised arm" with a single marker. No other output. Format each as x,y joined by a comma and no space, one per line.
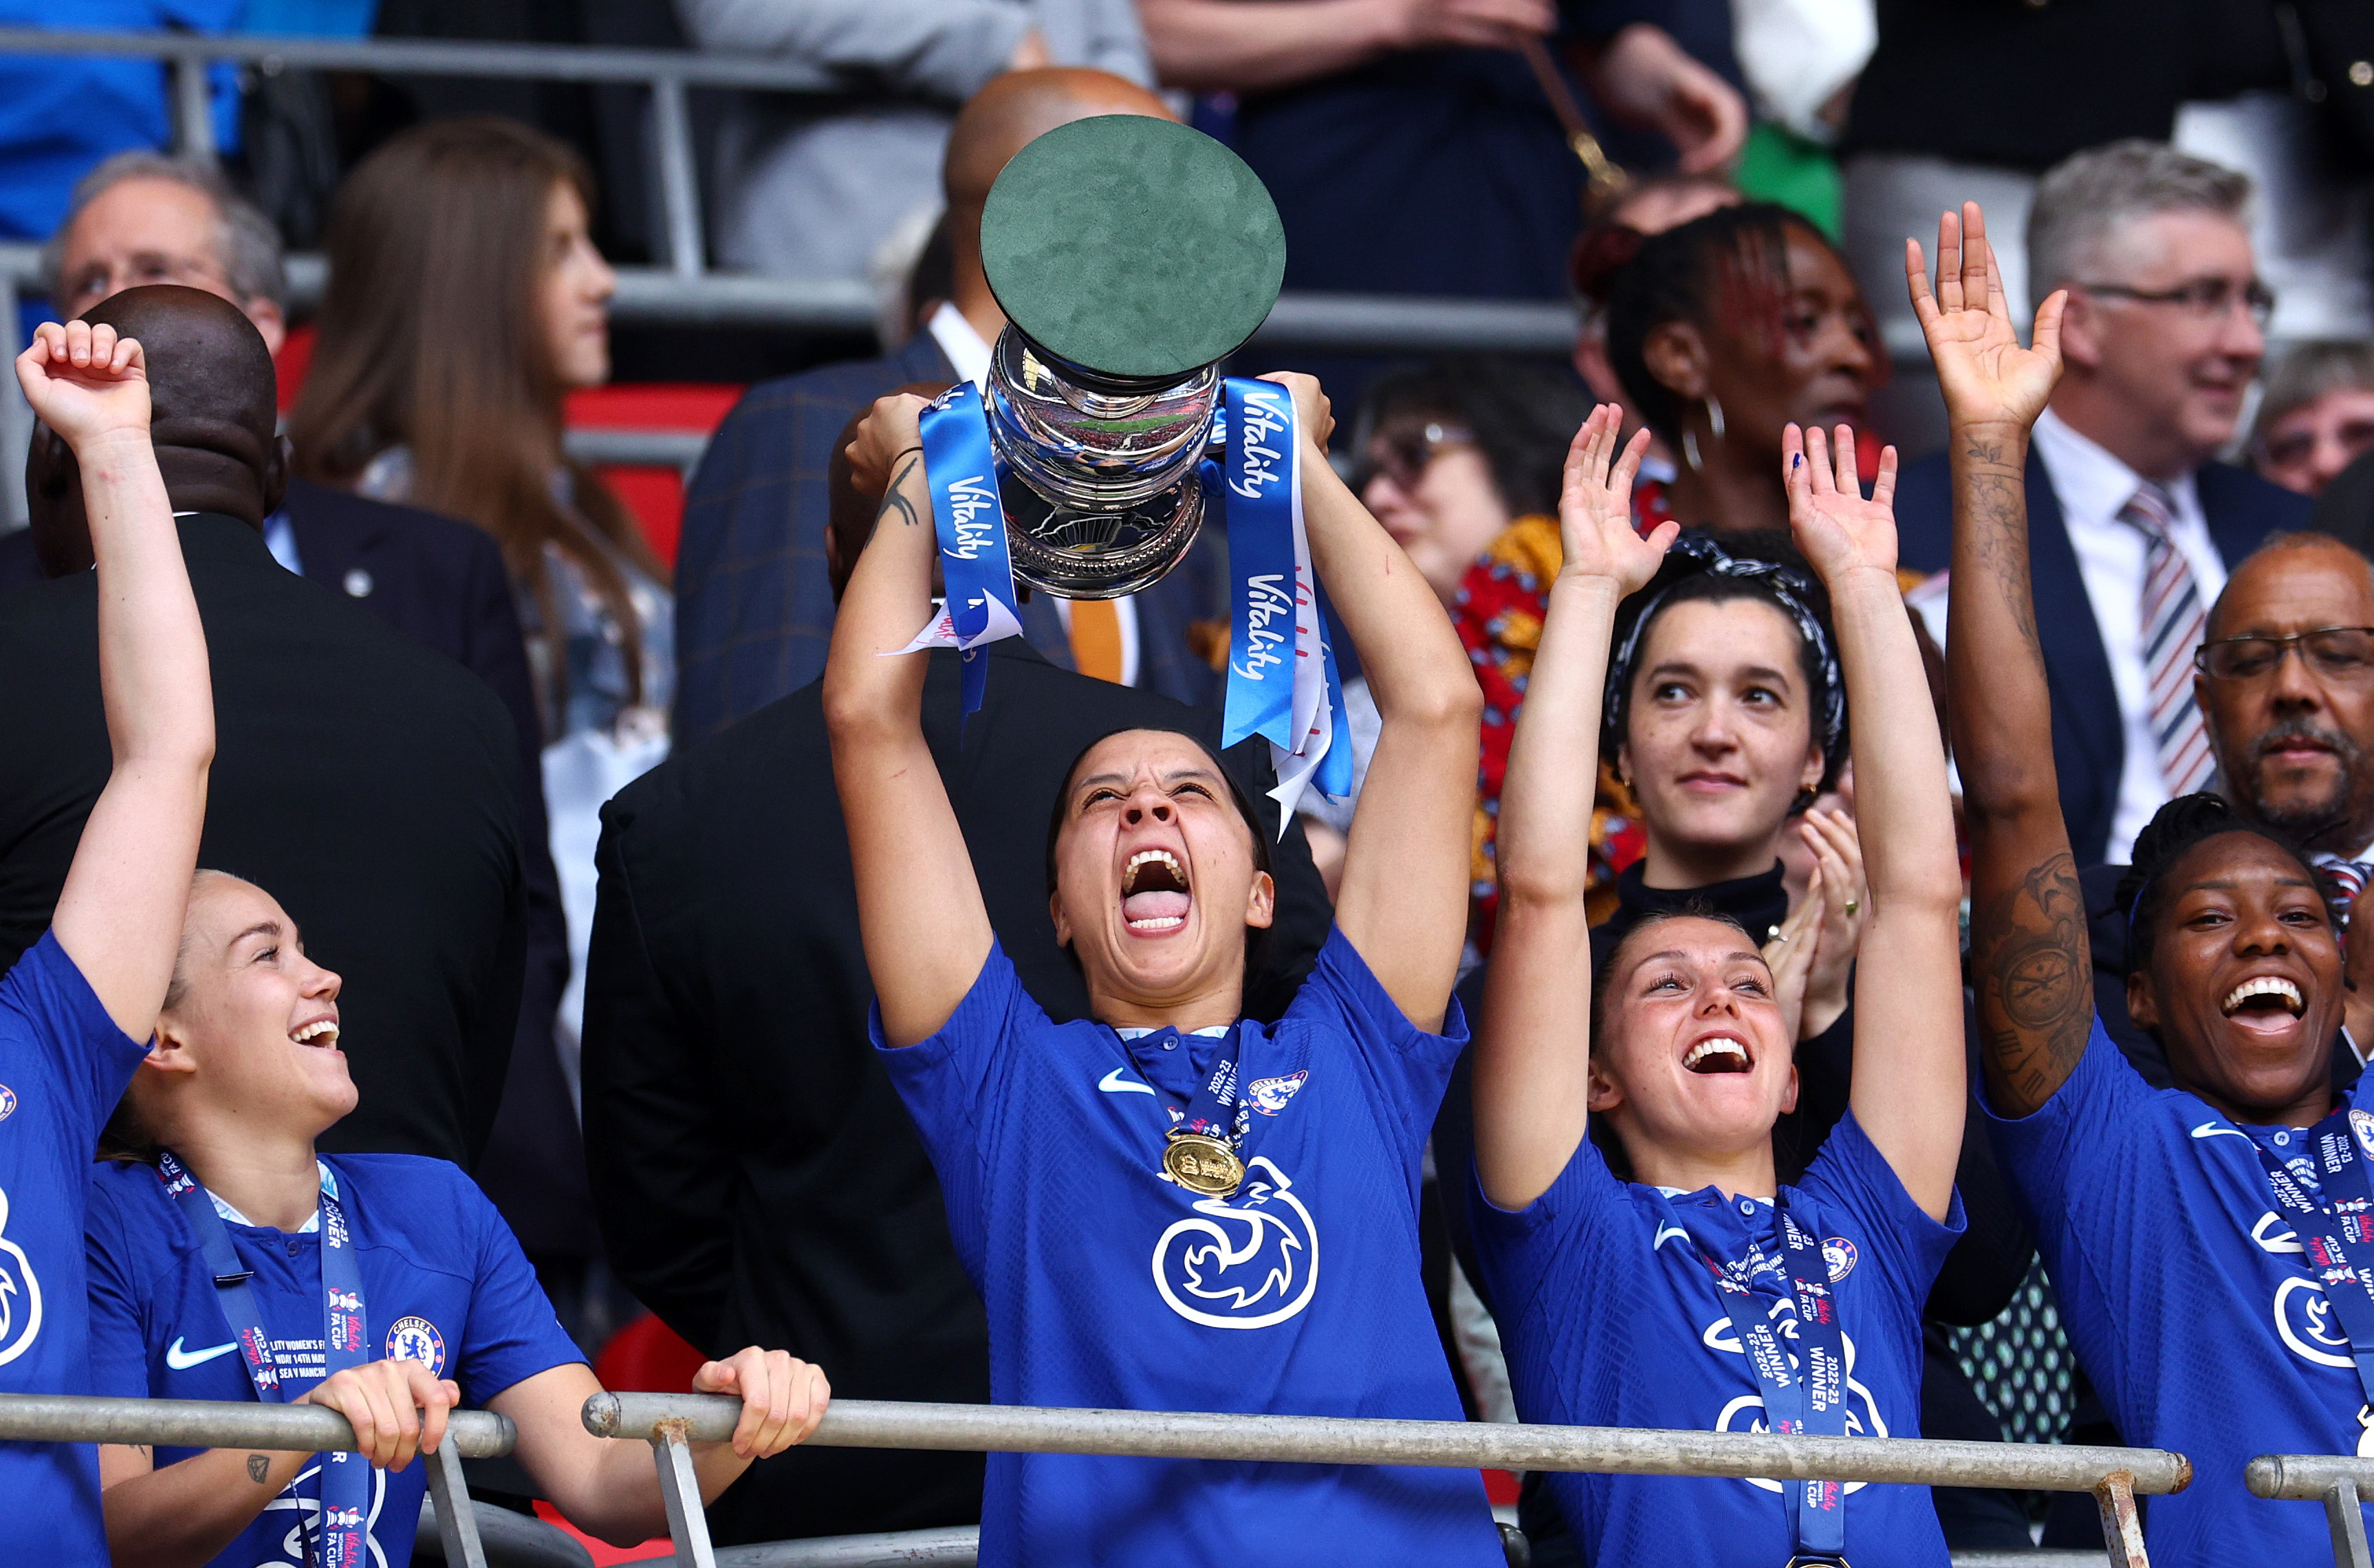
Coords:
2029,958
919,909
1402,896
1909,1086
119,915
1532,1066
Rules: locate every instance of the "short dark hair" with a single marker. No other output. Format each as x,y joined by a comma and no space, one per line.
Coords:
1522,413
2175,831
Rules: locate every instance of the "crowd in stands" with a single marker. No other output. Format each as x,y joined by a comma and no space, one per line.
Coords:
1862,773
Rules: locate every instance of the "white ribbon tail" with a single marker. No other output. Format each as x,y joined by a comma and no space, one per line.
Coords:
940,632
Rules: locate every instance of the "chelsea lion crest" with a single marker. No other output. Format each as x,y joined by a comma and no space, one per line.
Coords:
416,1339
1840,1253
1269,1095
2360,1123
8,1102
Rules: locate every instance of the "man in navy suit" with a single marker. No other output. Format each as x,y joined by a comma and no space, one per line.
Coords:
753,591
2132,527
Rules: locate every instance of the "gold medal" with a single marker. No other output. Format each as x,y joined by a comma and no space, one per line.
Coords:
1202,1164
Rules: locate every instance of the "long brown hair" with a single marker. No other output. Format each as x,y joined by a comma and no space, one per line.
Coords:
433,336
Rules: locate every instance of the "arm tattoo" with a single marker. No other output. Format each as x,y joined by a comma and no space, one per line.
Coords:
893,501
258,1468
2033,963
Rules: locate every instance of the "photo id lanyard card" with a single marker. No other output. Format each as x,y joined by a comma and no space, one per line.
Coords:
2337,1234
345,1478
1808,1400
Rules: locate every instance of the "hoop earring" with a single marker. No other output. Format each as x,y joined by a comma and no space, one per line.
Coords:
1714,416
1690,449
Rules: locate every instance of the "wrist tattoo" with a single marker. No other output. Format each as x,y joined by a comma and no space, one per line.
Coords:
258,1468
893,501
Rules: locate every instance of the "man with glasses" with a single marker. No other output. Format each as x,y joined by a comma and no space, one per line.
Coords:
2132,529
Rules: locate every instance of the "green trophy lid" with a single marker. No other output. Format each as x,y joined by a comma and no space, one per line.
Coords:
1133,246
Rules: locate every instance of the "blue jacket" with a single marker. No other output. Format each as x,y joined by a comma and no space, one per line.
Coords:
753,595
2088,736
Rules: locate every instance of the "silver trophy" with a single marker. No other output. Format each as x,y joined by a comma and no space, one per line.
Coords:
1130,255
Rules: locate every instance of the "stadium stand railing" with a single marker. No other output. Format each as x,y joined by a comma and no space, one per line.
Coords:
683,288
2342,1485
671,1422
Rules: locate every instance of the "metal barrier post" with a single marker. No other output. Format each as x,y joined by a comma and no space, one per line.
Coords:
193,108
680,1488
457,1522
679,183
16,416
2338,1482
2122,1527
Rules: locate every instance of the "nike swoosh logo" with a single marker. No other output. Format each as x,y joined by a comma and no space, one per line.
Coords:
1113,1084
183,1361
1666,1230
2211,1129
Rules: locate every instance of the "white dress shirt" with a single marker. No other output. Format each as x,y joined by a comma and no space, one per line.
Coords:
2092,486
970,355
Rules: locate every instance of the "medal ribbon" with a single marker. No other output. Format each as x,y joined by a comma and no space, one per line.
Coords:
1218,1109
344,1478
1283,683
2336,1235
969,522
1810,1401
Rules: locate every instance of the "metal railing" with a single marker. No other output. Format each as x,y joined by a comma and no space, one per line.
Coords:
2340,1484
670,1423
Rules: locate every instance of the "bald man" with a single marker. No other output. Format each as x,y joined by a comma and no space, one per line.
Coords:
371,785
754,594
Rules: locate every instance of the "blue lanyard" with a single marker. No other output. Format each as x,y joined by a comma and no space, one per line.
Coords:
345,1478
1218,1109
2331,1229
1811,1403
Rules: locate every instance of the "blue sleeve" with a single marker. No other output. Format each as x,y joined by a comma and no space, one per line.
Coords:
46,1003
119,1303
2088,1112
1409,1066
512,1333
954,1084
1850,1176
1563,1235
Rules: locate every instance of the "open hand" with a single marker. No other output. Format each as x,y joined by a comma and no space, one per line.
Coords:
1312,413
1837,529
1987,377
1595,507
1789,953
397,1409
1644,77
891,429
782,1399
86,383
1840,897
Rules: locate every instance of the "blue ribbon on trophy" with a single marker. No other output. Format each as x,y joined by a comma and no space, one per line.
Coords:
1283,683
970,523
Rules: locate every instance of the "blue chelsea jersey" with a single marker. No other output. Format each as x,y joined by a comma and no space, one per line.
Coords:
444,1283
2188,1299
1109,1286
1611,1316
64,1064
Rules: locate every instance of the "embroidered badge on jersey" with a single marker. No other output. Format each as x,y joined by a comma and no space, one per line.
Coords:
2360,1123
8,1102
416,1339
1840,1253
1269,1095
1246,1261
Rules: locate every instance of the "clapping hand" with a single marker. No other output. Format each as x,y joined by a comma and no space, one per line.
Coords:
782,1399
86,384
1595,507
1987,377
1838,530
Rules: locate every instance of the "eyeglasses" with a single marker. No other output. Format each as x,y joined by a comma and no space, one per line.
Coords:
2205,299
1402,453
2337,653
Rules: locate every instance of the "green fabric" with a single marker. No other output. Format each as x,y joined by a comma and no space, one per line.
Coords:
1780,166
1132,245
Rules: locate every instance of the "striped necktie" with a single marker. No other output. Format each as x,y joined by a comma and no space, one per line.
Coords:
2343,880
2172,624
